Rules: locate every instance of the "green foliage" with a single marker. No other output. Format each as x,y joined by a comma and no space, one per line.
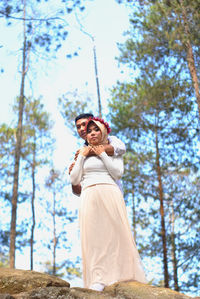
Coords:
158,105
7,141
159,35
45,23
73,272
69,270
139,111
73,104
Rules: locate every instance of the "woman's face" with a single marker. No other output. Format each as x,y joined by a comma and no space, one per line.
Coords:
93,134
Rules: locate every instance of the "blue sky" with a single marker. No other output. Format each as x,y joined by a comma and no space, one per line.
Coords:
106,21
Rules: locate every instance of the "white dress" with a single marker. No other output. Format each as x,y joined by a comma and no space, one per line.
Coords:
109,253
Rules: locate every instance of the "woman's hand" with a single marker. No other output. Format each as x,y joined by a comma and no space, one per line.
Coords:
84,151
98,149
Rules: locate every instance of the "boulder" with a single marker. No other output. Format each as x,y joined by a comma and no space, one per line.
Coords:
23,284
136,290
13,281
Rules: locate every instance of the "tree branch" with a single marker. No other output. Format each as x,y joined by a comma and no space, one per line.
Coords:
28,19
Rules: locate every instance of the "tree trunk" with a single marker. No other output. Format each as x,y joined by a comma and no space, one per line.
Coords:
134,216
190,56
32,203
97,78
163,230
17,156
54,233
173,252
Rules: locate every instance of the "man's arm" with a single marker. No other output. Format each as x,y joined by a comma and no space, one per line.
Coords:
75,189
118,146
115,147
75,169
109,149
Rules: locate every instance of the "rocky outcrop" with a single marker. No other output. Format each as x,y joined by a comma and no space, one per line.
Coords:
17,281
22,284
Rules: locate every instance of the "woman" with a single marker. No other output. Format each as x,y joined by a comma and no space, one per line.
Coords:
109,253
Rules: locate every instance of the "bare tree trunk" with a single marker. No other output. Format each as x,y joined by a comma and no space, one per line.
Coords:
163,230
95,65
54,233
134,216
32,203
190,56
173,251
17,156
97,77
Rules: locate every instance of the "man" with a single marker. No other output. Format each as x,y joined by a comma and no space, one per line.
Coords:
115,147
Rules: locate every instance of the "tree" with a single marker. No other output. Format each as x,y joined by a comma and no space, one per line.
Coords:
36,140
164,41
169,29
18,148
51,183
4,248
155,112
7,142
38,32
72,104
7,137
55,185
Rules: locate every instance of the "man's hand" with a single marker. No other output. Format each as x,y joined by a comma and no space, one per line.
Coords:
76,189
71,167
75,158
76,155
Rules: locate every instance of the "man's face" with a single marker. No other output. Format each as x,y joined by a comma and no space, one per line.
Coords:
80,126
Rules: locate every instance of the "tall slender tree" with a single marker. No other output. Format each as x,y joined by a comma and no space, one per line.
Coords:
25,51
36,140
55,185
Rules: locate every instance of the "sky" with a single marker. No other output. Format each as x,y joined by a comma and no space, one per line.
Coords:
106,21
103,19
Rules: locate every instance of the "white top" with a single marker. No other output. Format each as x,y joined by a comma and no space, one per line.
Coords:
102,169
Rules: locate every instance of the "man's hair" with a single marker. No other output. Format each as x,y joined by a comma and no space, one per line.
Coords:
83,115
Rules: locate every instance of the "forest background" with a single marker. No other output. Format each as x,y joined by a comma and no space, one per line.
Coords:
152,103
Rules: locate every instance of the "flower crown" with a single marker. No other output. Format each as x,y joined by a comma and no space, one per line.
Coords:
101,121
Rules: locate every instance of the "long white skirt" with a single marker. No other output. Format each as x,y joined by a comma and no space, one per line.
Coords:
109,253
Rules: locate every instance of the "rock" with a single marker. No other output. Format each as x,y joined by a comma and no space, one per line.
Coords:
6,296
14,281
22,284
44,293
76,293
62,293
136,290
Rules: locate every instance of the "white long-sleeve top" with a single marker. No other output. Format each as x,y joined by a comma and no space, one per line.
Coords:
102,169
118,145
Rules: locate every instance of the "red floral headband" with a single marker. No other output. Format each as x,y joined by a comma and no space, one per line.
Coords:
101,121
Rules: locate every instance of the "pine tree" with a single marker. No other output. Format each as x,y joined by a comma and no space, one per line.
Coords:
36,140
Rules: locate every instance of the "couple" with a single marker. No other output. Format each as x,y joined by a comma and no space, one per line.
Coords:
109,253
